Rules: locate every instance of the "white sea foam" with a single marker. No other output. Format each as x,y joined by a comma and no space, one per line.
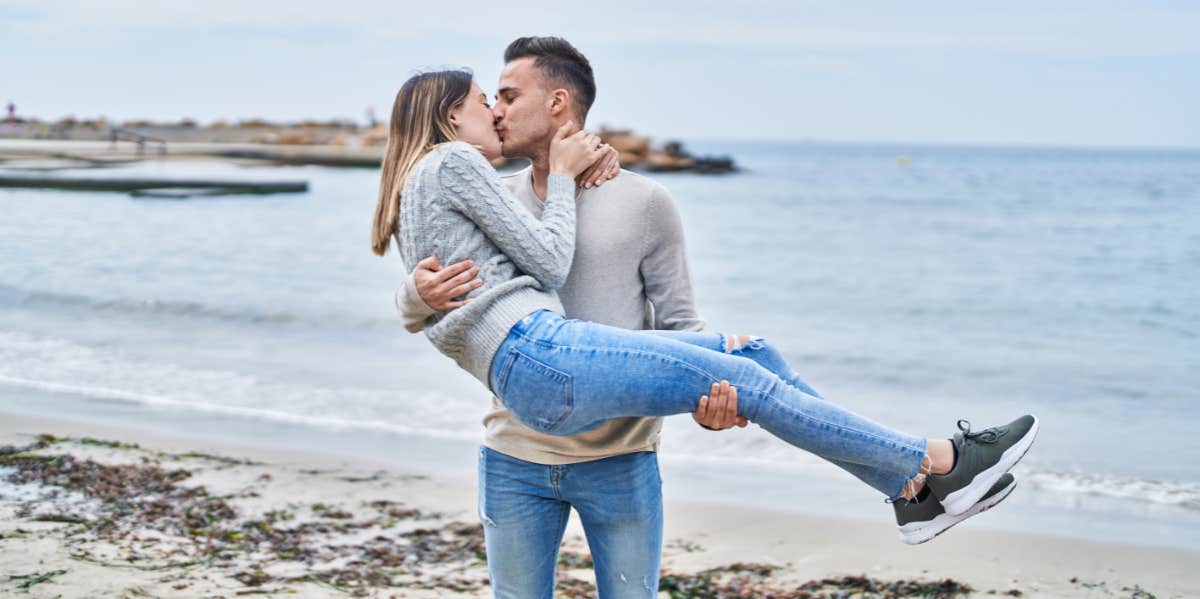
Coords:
1172,493
64,367
329,422
183,311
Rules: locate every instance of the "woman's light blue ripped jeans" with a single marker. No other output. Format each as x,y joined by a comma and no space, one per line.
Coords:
563,377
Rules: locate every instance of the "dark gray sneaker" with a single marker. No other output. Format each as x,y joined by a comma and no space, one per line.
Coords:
920,521
983,457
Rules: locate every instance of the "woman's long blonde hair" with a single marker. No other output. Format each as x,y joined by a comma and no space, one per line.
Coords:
420,121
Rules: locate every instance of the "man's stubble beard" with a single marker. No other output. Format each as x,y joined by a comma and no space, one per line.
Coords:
529,150
506,152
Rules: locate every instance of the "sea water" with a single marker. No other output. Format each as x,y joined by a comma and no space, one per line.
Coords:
918,285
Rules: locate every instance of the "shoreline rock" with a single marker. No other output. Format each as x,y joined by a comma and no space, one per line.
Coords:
636,151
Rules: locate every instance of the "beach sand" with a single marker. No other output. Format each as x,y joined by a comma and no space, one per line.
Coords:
187,517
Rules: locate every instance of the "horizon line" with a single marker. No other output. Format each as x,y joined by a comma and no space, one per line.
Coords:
1063,145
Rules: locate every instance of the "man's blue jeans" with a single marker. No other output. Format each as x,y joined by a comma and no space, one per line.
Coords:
562,377
524,508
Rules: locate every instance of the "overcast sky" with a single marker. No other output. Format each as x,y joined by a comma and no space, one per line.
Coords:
1063,72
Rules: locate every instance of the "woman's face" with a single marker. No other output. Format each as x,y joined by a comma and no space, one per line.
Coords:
474,123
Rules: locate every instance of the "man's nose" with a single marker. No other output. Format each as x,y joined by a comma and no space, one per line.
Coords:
497,114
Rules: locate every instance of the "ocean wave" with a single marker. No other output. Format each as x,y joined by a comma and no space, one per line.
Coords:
755,448
326,422
62,366
1172,493
12,296
1178,494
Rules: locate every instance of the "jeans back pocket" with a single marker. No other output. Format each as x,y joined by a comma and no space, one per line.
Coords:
538,395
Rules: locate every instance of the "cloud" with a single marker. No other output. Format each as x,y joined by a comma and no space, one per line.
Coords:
1058,28
834,70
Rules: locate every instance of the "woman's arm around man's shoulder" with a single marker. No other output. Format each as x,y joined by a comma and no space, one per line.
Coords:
542,248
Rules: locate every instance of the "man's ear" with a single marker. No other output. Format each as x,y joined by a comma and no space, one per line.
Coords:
560,101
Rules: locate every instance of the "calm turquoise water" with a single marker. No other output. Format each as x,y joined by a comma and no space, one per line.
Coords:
972,283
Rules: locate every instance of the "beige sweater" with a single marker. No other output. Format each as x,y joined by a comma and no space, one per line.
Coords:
630,270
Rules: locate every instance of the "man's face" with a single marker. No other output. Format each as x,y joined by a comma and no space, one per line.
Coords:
522,110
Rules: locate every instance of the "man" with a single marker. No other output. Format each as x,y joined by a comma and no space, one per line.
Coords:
630,270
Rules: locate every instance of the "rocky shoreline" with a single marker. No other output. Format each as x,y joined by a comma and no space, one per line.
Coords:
363,145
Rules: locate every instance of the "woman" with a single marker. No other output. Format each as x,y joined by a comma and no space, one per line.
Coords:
439,196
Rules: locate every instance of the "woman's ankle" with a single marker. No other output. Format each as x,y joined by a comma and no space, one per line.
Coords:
939,457
933,462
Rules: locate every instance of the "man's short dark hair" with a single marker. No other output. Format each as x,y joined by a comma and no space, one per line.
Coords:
560,62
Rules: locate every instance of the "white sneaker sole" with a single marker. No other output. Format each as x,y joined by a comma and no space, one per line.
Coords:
961,500
915,533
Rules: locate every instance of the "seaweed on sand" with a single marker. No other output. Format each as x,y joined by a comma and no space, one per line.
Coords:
147,516
28,580
745,580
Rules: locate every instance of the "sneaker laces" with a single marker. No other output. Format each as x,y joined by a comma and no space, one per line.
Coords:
987,435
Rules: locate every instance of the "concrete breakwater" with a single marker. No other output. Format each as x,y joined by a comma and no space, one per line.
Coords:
152,187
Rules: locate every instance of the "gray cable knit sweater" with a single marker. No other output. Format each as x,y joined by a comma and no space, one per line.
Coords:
454,206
